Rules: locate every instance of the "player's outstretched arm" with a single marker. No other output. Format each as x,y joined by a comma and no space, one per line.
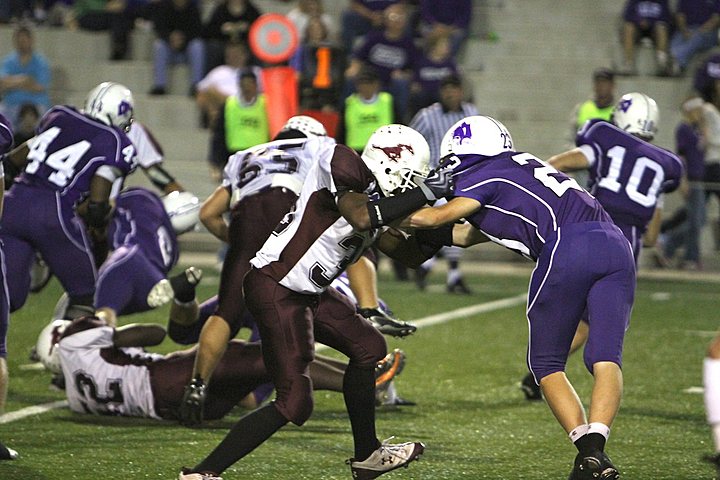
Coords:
138,335
433,217
570,161
212,210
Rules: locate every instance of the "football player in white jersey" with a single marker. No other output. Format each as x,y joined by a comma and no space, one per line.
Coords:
342,206
109,373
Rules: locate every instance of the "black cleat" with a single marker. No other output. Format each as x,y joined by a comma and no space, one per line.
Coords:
596,466
387,324
184,283
714,460
458,286
192,404
530,388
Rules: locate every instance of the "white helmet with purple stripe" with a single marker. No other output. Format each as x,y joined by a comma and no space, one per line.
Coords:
637,114
477,135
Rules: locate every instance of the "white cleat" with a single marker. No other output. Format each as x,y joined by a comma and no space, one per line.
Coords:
386,458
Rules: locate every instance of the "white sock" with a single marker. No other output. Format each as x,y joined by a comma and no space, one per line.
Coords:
428,264
579,431
711,381
601,428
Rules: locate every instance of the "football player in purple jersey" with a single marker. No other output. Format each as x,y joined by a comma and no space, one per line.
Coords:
627,174
143,238
344,201
65,187
6,141
582,258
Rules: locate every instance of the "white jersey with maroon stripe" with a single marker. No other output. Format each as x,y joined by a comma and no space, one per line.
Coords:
280,163
314,243
105,380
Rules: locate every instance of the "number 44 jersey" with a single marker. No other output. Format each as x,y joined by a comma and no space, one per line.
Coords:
70,148
627,174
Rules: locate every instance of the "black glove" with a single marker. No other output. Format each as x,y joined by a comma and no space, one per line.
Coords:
191,408
438,184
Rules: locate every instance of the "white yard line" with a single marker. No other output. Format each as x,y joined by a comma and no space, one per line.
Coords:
420,323
34,410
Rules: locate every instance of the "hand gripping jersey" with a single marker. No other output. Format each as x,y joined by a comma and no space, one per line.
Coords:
70,148
314,243
102,379
525,199
140,220
280,163
627,174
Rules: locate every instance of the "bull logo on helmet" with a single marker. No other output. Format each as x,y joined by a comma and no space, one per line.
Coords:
625,104
462,133
394,153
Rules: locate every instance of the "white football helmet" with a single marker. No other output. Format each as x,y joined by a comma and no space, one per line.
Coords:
46,346
183,208
394,153
307,125
478,135
112,104
637,114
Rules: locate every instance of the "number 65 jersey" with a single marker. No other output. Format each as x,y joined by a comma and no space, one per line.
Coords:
627,174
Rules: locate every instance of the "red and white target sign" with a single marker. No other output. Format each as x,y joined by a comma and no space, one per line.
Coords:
273,38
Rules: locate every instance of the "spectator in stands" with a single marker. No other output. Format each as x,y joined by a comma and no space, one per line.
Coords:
393,55
241,124
304,11
361,17
28,118
24,76
178,28
229,21
451,18
696,26
690,146
431,69
651,19
366,110
600,105
101,15
433,122
705,81
222,81
321,66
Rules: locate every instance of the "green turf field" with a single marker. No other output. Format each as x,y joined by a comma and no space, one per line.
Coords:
463,374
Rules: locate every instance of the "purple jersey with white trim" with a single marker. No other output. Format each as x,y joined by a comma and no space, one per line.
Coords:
627,174
524,199
140,219
68,149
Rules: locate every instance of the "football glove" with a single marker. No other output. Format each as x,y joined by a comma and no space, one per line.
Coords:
386,324
438,184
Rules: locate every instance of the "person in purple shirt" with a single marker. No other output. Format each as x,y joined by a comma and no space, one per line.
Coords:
705,81
696,29
431,69
392,53
627,175
73,161
143,238
360,17
6,142
689,143
521,202
446,18
646,18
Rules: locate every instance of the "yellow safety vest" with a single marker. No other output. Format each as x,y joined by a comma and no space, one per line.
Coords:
589,111
362,118
245,125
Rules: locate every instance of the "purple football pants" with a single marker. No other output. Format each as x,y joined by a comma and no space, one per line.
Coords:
36,219
125,280
584,265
